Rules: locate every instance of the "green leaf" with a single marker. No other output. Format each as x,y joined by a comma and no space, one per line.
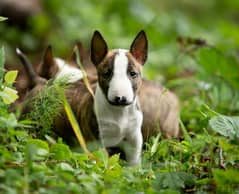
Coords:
65,167
155,144
174,180
226,126
39,143
113,160
9,95
60,151
2,18
9,121
11,76
36,149
102,155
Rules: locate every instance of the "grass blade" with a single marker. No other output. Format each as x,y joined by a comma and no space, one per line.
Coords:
74,124
185,133
86,81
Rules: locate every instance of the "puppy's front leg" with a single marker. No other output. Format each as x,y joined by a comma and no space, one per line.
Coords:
133,149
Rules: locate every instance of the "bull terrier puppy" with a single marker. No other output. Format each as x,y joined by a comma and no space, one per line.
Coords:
116,103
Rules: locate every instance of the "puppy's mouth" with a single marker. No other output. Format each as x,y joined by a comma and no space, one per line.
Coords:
119,104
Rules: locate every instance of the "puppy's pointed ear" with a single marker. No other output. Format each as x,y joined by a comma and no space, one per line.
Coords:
139,47
99,48
47,63
48,56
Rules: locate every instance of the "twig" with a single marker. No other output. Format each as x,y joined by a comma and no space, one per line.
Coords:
221,159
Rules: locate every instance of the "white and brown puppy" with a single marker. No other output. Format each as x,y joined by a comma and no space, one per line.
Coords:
57,68
116,102
160,106
114,114
50,67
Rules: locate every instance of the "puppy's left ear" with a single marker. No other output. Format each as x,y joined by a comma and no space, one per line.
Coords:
139,47
99,48
47,63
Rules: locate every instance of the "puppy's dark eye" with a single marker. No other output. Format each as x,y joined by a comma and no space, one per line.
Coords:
107,74
133,74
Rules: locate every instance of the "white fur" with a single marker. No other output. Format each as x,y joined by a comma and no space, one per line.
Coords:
120,84
120,126
72,74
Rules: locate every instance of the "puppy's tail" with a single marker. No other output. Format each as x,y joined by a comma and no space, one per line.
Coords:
32,75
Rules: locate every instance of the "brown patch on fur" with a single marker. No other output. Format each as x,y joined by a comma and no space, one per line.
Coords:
105,71
135,67
160,111
81,102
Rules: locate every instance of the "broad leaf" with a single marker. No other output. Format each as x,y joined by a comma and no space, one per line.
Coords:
9,95
11,76
65,167
226,126
9,121
174,180
36,149
60,151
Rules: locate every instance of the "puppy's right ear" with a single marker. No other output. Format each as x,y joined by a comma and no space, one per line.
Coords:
99,48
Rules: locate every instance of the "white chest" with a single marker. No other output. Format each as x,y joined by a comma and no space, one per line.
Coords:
116,124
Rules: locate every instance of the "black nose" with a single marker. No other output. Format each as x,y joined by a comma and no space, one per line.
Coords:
120,100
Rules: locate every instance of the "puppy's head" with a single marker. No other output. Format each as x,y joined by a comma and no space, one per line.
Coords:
52,67
119,70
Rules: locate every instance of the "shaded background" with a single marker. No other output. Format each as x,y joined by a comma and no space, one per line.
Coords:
202,66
